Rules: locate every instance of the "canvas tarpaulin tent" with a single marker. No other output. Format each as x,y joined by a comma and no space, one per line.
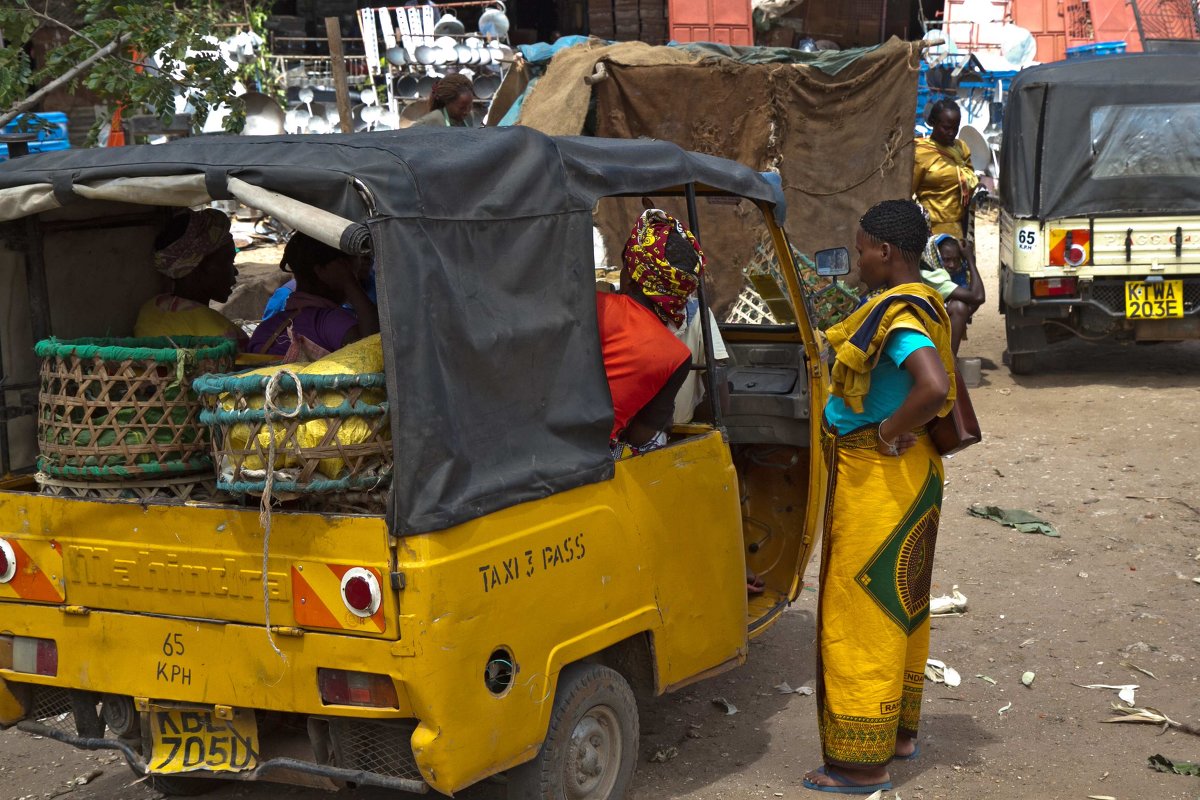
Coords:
838,131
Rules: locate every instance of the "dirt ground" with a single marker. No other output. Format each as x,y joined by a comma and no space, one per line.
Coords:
1100,442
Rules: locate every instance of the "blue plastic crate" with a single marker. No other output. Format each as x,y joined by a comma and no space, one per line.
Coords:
49,138
56,119
1096,50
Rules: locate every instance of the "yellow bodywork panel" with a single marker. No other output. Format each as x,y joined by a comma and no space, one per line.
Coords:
657,549
11,709
195,561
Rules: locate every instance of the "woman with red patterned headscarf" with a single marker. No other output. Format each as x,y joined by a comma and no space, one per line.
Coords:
663,267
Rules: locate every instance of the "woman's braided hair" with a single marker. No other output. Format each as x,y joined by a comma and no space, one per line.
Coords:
901,223
447,90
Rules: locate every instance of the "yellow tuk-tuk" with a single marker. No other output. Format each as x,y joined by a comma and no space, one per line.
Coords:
522,585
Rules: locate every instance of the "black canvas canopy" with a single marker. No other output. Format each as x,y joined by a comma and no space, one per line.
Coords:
1113,135
483,248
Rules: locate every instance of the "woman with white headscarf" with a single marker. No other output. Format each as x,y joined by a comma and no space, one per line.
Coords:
196,252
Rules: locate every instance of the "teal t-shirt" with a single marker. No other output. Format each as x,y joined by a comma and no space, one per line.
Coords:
890,384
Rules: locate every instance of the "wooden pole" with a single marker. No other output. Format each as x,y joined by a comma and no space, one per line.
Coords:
333,29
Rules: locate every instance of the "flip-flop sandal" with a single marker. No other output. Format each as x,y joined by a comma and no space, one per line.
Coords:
911,756
850,788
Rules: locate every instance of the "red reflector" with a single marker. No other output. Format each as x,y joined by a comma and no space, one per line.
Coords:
1054,287
358,593
341,687
1070,247
8,562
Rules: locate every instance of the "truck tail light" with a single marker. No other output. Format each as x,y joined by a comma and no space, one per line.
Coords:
340,687
1070,248
1055,287
29,655
8,562
360,592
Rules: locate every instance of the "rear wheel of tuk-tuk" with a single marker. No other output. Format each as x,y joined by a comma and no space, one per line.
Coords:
590,750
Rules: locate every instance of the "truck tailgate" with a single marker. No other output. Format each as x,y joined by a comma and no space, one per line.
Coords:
199,562
1166,243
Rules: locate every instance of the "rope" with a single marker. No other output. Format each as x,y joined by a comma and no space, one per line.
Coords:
273,411
897,144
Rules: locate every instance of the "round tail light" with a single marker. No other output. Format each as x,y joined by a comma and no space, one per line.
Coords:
8,562
360,592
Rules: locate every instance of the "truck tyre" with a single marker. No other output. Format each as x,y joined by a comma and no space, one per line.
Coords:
591,747
181,785
1023,343
1022,363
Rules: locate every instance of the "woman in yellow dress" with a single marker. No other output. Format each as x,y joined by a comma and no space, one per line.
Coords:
943,178
196,251
893,372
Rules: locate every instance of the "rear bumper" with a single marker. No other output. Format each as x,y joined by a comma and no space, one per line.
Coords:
1103,296
266,770
107,653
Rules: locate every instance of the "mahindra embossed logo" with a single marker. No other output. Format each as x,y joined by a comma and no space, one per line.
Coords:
164,571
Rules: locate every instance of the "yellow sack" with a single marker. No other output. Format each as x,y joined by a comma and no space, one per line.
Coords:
363,357
360,358
240,433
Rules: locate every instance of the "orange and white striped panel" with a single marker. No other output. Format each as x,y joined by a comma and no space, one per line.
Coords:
39,573
317,598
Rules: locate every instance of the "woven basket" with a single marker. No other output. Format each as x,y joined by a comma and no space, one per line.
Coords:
372,503
123,409
322,434
185,488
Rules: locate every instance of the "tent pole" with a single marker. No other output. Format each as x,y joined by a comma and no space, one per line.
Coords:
710,362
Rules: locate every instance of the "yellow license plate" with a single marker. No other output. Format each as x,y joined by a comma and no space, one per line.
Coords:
185,741
1153,300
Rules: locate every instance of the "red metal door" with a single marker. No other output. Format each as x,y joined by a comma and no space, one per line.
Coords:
721,21
1113,21
1044,19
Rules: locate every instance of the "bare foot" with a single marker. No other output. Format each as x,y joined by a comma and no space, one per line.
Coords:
905,746
847,776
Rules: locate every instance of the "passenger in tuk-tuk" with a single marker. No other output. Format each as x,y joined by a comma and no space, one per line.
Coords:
891,376
326,278
645,366
195,250
663,265
946,268
943,179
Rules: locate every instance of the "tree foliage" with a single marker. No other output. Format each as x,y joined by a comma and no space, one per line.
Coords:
136,54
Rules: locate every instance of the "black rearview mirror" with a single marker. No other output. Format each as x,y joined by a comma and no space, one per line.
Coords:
833,262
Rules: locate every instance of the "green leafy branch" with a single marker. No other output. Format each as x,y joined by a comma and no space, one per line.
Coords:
138,54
